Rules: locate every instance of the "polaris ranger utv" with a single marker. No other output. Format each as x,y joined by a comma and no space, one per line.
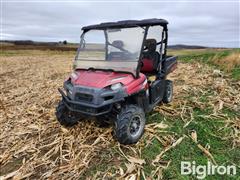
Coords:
111,76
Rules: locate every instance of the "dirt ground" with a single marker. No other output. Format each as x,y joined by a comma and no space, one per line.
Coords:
34,145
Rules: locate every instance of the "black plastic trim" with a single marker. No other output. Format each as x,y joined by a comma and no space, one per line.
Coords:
69,103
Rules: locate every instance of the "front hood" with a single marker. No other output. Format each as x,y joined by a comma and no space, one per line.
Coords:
100,79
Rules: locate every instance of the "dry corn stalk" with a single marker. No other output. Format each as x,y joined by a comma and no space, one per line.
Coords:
34,144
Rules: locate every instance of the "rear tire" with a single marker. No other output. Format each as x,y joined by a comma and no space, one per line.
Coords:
64,116
130,123
168,94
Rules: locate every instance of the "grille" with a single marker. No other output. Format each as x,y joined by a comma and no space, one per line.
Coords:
83,97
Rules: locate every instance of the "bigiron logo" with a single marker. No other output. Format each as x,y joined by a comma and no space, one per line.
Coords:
201,171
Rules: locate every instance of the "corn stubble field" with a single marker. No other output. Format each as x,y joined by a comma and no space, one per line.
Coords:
201,124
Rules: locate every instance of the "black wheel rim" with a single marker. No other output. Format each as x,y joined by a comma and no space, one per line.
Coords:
135,125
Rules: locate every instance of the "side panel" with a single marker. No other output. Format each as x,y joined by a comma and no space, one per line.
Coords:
142,100
157,91
169,64
136,85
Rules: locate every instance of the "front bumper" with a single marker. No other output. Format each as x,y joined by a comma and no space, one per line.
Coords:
85,108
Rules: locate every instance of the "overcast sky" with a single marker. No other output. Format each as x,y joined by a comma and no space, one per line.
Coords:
208,23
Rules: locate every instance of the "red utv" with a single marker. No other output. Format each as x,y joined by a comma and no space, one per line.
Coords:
111,76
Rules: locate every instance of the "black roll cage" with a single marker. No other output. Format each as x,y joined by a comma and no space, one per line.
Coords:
162,43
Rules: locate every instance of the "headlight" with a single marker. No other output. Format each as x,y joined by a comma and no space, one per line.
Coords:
116,86
74,75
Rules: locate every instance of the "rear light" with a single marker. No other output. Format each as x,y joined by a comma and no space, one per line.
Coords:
173,67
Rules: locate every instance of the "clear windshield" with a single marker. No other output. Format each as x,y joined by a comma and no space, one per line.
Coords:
117,49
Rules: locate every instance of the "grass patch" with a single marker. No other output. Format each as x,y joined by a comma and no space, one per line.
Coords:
226,60
211,133
208,135
236,73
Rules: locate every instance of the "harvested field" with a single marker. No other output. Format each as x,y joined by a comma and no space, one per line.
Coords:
201,124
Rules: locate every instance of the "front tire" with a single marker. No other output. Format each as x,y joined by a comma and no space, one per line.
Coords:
130,123
168,94
64,116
